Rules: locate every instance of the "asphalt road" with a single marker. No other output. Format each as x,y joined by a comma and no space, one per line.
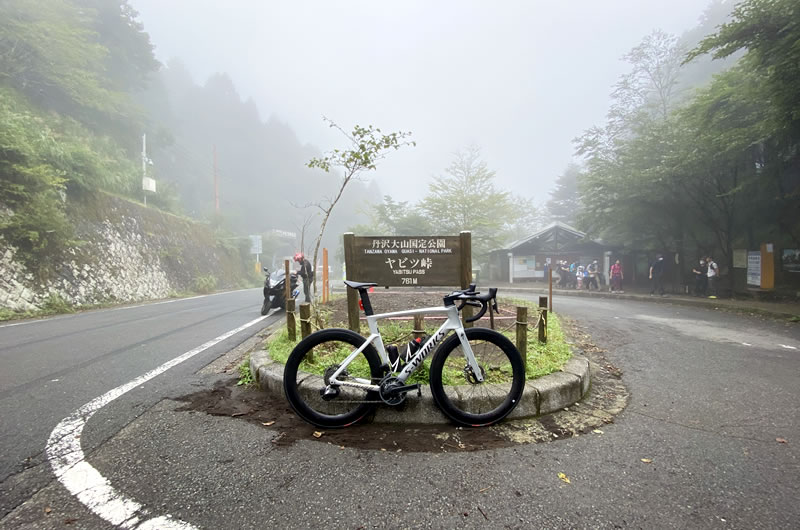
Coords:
51,367
712,395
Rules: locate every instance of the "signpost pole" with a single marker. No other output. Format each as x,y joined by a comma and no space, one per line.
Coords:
352,296
466,272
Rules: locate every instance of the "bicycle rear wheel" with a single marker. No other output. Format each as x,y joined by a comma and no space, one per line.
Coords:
309,367
459,394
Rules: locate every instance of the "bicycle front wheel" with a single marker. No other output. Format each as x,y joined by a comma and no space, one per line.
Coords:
457,391
309,368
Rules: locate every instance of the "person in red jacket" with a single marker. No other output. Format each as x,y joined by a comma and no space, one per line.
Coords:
617,276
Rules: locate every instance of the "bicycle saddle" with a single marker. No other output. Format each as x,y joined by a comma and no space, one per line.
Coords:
359,285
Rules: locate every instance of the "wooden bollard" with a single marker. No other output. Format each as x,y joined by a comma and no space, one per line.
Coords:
291,325
419,326
522,332
287,280
543,319
305,320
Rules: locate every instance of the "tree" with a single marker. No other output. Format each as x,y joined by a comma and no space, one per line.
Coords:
467,199
368,145
769,31
401,218
565,202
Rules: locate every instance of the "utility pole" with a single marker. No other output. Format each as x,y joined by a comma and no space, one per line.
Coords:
216,183
144,165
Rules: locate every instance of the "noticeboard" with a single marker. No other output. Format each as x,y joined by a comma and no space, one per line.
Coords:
404,261
754,268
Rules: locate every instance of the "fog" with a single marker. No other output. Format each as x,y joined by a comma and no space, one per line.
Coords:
520,79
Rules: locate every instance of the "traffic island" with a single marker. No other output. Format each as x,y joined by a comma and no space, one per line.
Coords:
543,395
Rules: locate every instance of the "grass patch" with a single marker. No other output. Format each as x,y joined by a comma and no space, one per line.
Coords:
245,375
542,359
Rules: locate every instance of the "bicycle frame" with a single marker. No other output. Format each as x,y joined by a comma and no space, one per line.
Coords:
453,323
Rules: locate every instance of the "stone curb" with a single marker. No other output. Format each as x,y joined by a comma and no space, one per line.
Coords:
541,396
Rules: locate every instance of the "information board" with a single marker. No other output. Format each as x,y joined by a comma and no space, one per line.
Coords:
255,244
754,268
397,261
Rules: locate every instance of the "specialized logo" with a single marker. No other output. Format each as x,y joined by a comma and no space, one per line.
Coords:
423,353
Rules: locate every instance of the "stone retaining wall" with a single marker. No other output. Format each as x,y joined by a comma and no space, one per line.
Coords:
127,253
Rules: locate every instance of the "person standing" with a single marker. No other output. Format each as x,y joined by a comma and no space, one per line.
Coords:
616,277
656,275
306,272
592,271
713,276
700,278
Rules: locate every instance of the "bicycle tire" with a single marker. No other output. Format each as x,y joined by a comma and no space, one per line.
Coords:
304,389
501,390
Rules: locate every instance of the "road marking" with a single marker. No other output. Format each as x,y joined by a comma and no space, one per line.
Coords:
746,344
85,482
787,346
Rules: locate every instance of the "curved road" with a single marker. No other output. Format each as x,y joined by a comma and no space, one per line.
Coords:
51,367
712,395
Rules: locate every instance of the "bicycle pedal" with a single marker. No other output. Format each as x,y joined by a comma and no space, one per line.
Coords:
408,388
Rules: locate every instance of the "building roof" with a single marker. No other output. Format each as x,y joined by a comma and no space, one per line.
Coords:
543,233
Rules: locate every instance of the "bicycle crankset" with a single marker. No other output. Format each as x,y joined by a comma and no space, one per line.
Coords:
393,391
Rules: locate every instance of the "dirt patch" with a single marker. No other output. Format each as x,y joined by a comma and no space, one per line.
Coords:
604,401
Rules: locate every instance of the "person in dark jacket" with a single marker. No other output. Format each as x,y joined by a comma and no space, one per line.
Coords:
700,278
306,272
656,275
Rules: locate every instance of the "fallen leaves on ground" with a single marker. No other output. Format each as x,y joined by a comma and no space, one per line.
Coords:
565,478
317,434
597,431
781,440
647,460
268,423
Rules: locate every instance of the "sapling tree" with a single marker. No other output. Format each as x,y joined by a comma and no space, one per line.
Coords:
367,146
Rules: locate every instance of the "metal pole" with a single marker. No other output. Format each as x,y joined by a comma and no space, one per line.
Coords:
144,165
550,280
216,185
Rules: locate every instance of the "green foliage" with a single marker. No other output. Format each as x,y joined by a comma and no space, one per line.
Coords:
467,199
245,375
716,170
56,305
205,284
369,145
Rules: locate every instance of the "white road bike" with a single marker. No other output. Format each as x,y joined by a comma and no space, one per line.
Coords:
335,377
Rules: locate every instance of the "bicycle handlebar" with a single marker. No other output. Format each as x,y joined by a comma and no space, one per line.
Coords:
473,298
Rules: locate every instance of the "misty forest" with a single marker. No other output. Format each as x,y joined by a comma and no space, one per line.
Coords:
698,154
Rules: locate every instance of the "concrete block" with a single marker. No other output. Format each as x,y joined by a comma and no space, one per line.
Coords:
556,391
579,366
529,405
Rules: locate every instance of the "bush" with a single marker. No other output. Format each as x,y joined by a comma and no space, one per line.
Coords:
205,284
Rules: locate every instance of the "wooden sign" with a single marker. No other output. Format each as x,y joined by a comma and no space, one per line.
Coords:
405,261
396,261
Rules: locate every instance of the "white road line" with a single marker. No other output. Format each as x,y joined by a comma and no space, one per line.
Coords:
85,482
787,346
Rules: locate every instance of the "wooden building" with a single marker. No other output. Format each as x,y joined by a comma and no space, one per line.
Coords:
527,259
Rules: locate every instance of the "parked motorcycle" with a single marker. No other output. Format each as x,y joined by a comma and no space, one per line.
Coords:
275,289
